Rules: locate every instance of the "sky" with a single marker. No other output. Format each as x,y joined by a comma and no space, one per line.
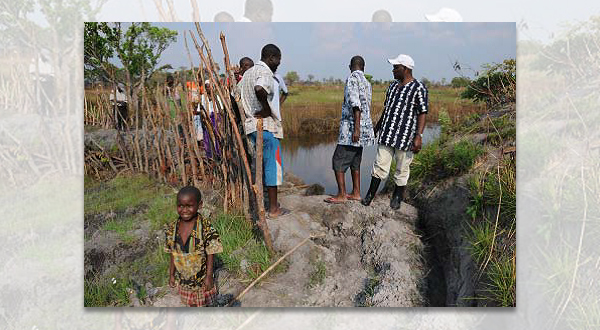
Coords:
324,49
538,19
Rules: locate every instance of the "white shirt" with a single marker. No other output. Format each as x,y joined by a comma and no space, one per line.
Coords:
204,100
258,75
276,112
121,97
282,86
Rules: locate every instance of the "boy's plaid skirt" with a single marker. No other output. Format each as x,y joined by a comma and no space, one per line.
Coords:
197,296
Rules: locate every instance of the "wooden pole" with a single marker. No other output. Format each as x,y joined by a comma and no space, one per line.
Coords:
258,187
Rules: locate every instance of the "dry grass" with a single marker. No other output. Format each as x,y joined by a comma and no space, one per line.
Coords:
311,110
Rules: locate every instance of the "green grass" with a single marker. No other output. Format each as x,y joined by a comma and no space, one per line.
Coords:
438,161
102,292
502,281
239,243
120,193
491,243
317,276
481,236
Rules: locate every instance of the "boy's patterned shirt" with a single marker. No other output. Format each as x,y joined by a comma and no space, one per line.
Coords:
207,242
357,93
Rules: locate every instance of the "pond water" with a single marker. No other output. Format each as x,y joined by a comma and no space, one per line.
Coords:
310,160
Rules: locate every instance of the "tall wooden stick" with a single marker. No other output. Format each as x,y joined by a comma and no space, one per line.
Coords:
258,187
239,296
262,222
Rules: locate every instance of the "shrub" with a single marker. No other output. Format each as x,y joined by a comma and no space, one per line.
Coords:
497,85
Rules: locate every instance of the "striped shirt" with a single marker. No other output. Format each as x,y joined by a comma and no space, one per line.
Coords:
400,110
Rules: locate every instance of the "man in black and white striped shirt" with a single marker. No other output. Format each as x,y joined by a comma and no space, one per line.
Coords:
399,129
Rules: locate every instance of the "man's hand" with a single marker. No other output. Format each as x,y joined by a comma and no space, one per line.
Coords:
417,142
261,95
355,135
172,281
263,114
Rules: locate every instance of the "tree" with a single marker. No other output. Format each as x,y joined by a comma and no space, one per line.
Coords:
310,77
496,85
369,78
291,78
427,82
138,50
458,82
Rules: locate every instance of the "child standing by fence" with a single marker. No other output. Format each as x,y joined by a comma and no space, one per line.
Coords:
192,243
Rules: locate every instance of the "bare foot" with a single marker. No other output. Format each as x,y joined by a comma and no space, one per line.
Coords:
354,197
280,212
336,200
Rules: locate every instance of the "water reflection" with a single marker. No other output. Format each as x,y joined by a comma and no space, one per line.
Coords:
310,159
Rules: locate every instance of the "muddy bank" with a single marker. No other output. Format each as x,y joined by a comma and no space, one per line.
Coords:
364,256
443,220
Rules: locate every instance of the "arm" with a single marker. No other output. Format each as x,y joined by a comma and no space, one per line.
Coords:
423,102
356,133
208,279
283,97
418,141
172,273
262,94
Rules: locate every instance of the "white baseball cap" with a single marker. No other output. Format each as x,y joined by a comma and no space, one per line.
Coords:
403,59
445,15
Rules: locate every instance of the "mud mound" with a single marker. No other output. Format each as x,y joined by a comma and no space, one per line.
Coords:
363,256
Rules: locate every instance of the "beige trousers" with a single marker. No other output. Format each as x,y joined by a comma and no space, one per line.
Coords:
383,162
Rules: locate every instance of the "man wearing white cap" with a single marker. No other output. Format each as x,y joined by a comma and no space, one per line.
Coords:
399,129
119,101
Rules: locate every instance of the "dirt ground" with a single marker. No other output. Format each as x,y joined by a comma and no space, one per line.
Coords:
371,257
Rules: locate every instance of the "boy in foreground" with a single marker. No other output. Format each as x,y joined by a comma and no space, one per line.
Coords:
192,243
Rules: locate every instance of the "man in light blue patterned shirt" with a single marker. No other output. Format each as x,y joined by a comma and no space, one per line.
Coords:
356,131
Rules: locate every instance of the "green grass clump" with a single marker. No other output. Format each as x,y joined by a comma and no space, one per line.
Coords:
481,237
502,281
161,210
239,243
491,235
317,276
119,193
438,161
105,291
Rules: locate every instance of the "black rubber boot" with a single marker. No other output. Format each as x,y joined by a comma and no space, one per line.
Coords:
397,197
372,190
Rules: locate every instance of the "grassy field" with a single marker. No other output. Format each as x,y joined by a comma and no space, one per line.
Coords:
311,110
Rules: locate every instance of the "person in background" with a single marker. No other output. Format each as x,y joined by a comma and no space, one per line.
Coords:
356,131
399,129
208,103
257,91
120,106
282,89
